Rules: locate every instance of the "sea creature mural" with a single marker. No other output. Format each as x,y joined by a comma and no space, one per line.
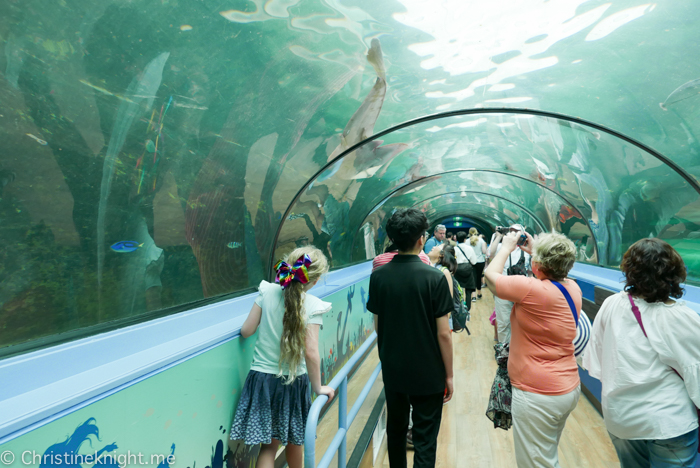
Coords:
71,453
67,453
364,297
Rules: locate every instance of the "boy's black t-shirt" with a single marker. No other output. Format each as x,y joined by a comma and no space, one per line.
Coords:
408,296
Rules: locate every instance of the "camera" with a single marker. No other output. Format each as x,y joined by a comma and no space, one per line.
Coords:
502,230
522,240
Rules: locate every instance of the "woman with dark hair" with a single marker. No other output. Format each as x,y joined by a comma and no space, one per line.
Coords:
645,350
447,259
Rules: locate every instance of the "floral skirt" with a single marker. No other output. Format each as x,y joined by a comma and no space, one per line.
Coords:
499,408
269,409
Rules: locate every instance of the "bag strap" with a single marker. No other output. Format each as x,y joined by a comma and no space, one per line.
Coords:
465,255
638,316
568,299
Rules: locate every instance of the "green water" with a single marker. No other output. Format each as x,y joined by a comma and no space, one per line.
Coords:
151,149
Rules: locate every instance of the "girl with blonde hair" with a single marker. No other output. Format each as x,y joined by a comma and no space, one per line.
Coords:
276,396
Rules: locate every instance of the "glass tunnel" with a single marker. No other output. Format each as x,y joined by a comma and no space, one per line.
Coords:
158,156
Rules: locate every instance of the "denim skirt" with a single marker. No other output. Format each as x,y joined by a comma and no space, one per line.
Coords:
269,409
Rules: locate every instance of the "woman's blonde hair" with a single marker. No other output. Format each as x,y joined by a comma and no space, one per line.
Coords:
293,342
555,254
473,236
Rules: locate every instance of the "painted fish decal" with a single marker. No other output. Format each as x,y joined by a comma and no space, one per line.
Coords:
126,246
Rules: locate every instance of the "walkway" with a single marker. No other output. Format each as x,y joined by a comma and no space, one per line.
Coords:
467,438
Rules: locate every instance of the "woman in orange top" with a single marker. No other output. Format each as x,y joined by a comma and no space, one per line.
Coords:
541,365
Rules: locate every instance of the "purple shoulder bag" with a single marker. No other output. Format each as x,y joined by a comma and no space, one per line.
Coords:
638,316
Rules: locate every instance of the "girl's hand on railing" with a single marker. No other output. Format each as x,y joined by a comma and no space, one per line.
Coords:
328,391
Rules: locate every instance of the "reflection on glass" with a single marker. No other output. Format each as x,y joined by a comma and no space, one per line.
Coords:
150,150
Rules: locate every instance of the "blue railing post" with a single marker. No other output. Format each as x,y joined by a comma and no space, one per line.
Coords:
343,420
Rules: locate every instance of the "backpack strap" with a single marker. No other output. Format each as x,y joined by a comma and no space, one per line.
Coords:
568,299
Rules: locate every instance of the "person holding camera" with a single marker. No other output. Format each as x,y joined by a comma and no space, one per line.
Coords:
517,263
541,365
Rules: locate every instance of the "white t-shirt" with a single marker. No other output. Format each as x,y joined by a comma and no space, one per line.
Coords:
642,397
480,257
466,256
266,357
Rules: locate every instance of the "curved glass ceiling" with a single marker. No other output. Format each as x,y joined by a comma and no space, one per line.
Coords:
564,171
157,153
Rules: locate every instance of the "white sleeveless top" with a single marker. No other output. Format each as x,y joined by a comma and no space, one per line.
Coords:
266,357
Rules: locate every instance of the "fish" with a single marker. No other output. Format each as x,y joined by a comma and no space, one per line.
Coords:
105,91
126,246
37,139
361,124
189,106
150,146
185,27
234,245
681,93
294,216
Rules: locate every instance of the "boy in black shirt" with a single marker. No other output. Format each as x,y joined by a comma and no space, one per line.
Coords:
411,301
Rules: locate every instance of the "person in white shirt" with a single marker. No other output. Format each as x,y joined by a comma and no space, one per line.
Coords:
651,384
466,259
516,259
479,246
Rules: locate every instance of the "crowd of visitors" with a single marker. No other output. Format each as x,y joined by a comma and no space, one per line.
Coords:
643,346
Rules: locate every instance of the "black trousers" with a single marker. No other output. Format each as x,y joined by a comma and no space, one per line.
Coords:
427,414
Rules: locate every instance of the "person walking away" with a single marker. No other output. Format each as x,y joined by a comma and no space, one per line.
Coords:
448,265
517,258
449,237
479,246
466,259
389,253
541,364
276,396
438,238
411,302
649,368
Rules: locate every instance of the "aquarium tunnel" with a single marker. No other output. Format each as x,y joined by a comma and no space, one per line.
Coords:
157,157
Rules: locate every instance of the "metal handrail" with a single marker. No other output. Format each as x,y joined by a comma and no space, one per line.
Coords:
345,419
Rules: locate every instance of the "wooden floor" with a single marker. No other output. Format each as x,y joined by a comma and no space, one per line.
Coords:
467,438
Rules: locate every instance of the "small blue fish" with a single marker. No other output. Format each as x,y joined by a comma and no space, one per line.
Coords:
126,246
294,216
234,245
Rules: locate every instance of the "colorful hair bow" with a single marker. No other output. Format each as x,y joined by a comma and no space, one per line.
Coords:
298,272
